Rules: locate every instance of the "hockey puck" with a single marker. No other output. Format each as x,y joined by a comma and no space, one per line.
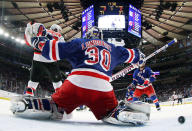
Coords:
181,119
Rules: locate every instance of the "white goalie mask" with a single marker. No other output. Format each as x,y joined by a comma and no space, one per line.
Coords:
94,32
56,28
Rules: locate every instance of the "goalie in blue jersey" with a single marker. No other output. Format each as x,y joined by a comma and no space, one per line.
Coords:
93,61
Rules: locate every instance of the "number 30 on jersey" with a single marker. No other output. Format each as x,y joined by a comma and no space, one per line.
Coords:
95,56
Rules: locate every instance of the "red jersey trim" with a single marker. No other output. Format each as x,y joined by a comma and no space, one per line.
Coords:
37,53
54,50
89,73
132,54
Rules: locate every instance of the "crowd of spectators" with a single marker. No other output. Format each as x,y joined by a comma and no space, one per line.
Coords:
15,78
164,92
12,79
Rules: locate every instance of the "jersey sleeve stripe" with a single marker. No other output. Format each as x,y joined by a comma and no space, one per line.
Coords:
54,50
50,49
57,51
131,56
37,53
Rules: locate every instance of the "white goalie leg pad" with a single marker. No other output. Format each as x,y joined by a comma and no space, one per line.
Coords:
128,118
133,117
139,106
57,112
68,116
18,106
20,109
114,121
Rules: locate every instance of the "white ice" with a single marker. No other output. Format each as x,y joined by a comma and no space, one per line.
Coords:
165,120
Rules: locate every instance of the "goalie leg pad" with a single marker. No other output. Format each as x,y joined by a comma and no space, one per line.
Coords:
136,118
37,105
124,115
139,106
20,104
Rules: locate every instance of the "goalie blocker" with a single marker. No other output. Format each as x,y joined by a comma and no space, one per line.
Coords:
125,114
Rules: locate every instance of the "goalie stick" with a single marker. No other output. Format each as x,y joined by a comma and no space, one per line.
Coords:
133,66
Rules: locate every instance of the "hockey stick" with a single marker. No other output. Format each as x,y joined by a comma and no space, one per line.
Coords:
133,66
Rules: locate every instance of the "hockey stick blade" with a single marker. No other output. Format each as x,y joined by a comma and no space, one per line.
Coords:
133,66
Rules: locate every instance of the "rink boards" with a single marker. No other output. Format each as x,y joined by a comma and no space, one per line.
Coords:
8,95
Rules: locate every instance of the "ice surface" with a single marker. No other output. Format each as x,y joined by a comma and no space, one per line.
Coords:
165,120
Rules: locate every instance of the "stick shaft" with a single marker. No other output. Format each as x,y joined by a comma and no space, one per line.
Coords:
132,67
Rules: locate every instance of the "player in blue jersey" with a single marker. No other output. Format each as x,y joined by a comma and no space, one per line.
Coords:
142,82
88,83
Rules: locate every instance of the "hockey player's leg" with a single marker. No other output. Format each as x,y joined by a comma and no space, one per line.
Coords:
55,75
156,102
151,93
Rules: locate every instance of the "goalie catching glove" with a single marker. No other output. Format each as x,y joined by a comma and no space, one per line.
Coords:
39,42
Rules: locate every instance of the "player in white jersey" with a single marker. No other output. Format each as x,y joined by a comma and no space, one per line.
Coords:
174,98
41,66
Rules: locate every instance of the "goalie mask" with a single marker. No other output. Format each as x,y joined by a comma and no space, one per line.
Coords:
94,32
142,63
56,28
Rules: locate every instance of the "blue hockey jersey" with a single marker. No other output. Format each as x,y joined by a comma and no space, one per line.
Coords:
95,54
140,76
92,60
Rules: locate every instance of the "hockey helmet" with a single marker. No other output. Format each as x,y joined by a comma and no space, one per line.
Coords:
142,63
93,32
56,28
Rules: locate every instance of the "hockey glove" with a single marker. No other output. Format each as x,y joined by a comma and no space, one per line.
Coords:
38,42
